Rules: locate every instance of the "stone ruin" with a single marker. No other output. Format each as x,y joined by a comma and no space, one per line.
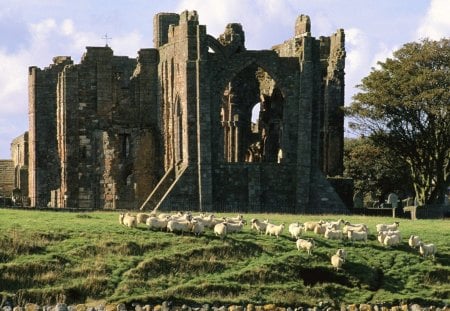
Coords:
173,128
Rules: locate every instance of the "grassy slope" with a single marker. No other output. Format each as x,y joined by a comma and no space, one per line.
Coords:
45,257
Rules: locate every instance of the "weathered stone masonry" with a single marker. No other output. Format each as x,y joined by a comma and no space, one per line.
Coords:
177,123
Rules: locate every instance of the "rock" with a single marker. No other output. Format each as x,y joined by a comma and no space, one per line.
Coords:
250,307
365,307
415,307
205,307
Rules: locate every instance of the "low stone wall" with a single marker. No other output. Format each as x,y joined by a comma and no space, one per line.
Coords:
169,306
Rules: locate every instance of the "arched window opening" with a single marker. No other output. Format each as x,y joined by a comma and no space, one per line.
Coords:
251,117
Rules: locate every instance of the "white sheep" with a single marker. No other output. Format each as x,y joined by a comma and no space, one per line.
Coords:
179,226
310,225
198,227
427,249
342,253
384,227
259,226
333,234
235,227
336,225
128,220
276,230
381,236
220,230
295,229
307,245
392,240
141,218
354,227
337,261
320,229
157,223
413,241
235,219
357,236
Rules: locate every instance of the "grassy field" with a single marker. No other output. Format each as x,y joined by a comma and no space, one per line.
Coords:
48,257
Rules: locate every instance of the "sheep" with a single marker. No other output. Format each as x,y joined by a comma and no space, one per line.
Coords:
307,245
384,227
259,226
336,225
320,229
427,250
413,241
179,226
157,223
220,230
208,221
354,227
342,253
235,219
381,236
128,220
395,232
198,227
333,234
274,229
180,216
121,216
234,227
337,261
310,225
295,229
357,236
141,218
391,240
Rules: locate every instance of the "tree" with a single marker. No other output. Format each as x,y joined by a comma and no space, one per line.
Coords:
404,107
374,169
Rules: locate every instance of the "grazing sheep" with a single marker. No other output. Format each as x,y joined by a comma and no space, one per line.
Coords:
128,220
157,223
381,236
121,216
337,261
333,234
274,229
307,245
357,236
320,229
220,230
310,225
392,240
395,232
354,227
336,225
198,227
384,227
295,229
235,219
234,227
179,226
208,220
259,226
427,249
342,253
141,218
413,241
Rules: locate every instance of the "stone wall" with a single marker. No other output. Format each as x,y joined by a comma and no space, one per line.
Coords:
20,154
6,177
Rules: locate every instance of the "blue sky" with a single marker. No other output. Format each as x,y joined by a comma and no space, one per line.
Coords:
32,32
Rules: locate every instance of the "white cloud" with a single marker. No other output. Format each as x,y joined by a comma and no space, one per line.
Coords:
436,23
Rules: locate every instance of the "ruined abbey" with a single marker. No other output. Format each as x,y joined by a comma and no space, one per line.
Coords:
173,128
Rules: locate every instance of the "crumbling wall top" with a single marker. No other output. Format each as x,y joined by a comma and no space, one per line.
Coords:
303,26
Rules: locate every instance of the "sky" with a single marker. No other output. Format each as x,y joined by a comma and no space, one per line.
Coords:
32,32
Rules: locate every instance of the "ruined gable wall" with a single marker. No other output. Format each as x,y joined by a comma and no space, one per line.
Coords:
19,154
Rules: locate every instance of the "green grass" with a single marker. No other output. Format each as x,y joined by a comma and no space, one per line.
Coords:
48,257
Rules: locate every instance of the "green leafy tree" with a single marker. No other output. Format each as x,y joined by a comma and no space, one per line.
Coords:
404,107
375,170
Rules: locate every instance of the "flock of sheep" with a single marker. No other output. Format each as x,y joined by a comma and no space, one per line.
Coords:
387,234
